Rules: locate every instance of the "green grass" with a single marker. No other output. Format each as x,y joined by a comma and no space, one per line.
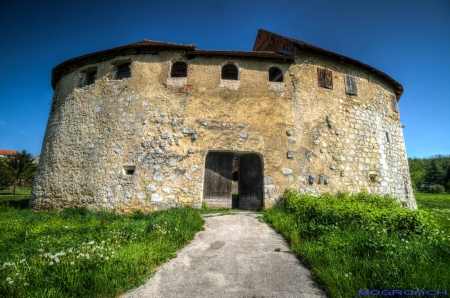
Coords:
363,241
437,205
77,253
18,192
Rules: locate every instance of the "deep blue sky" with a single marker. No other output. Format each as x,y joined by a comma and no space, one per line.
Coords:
409,40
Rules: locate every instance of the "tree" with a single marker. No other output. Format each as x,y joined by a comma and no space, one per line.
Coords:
417,170
21,169
435,173
447,180
5,176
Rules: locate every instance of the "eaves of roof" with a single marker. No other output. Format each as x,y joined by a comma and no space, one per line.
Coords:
240,54
143,46
281,45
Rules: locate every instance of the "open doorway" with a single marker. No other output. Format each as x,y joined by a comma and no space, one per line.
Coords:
233,180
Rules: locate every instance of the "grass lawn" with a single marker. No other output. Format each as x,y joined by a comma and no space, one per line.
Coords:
77,253
438,206
18,192
365,242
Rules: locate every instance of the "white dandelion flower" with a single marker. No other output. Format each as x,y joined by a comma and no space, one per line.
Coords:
51,263
72,263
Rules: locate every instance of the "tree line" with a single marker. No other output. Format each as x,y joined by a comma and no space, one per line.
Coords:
430,171
17,171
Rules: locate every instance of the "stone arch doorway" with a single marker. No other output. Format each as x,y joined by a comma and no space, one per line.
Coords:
218,178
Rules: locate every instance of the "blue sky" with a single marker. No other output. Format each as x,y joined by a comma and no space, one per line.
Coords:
408,40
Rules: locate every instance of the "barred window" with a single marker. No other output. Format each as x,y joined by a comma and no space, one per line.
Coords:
124,71
91,77
230,72
179,70
275,75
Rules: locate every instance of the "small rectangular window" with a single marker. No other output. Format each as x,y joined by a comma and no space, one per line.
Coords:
373,177
388,137
325,78
91,77
394,103
350,85
123,71
129,169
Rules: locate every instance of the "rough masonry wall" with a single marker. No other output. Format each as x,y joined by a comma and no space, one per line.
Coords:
344,139
166,126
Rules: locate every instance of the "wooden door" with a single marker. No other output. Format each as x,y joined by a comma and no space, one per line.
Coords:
250,182
217,184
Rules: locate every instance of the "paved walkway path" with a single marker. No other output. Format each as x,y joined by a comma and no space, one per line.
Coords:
233,257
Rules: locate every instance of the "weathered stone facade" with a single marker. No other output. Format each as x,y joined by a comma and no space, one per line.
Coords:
310,138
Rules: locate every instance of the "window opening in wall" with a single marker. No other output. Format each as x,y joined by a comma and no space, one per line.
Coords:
373,177
129,169
124,71
350,85
230,72
394,103
325,78
179,70
91,77
275,75
388,137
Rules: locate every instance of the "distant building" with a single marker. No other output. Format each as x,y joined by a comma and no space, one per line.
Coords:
4,153
36,159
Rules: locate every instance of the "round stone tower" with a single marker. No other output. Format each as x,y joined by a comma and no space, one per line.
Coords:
153,125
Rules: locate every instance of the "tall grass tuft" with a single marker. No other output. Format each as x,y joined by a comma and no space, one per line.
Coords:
363,241
78,253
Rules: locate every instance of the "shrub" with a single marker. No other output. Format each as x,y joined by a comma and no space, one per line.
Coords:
362,241
436,189
320,214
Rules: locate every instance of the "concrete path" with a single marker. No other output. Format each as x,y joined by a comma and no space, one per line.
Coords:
233,257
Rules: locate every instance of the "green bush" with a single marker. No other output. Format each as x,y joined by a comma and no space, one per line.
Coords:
363,241
436,189
367,210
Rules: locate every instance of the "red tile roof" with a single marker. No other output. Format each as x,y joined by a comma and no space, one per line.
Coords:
8,152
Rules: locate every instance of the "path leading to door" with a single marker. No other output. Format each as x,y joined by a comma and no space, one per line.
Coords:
233,257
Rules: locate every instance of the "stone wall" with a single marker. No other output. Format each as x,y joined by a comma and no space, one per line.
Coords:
309,138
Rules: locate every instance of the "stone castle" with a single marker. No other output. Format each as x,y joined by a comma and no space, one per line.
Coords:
153,125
